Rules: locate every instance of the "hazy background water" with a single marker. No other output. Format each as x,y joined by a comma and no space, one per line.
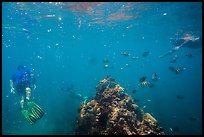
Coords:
66,43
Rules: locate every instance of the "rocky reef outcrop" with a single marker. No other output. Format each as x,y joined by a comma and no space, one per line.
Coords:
113,112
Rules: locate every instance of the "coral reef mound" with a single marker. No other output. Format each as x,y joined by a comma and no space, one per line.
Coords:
113,112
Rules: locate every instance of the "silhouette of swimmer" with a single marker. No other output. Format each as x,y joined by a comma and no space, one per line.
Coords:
188,40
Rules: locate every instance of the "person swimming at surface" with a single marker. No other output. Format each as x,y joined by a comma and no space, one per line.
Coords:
186,41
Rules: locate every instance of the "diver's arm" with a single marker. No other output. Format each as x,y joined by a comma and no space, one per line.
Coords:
12,87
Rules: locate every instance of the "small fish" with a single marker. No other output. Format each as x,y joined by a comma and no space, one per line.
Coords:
151,85
189,55
143,78
146,53
144,107
134,58
125,54
179,96
193,118
105,60
134,91
177,70
136,100
145,84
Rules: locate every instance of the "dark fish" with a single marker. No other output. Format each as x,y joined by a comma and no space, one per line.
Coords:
136,100
151,85
179,96
146,53
105,60
177,70
189,55
143,78
134,91
193,118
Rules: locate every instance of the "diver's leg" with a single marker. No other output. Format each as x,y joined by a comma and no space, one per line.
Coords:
28,93
22,101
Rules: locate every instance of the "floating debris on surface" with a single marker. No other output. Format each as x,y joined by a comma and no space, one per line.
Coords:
113,112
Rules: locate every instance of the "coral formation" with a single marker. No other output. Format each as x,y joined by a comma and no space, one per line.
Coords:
113,112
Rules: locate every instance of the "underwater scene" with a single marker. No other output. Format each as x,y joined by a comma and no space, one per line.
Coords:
102,68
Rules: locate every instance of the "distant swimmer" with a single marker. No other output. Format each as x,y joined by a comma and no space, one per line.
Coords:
186,41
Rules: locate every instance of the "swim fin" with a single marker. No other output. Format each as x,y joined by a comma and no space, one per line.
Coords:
32,112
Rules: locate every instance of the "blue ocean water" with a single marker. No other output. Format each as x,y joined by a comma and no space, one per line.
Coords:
66,44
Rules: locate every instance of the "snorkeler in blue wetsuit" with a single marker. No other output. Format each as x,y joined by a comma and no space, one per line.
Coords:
23,81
